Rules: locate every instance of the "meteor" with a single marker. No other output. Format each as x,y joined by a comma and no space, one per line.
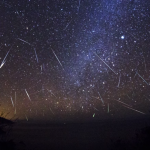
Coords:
4,60
106,64
27,94
57,58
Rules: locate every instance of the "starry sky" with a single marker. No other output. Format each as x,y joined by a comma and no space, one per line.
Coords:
74,59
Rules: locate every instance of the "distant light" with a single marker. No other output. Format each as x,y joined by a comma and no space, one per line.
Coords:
93,115
122,37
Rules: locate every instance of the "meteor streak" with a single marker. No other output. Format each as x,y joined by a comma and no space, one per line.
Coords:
119,81
101,98
26,117
142,78
57,58
24,41
36,55
27,94
123,103
3,62
51,92
134,109
106,64
15,104
12,101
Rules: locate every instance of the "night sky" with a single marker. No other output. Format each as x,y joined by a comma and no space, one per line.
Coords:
74,59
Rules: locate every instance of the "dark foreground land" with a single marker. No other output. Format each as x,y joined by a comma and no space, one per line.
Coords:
109,134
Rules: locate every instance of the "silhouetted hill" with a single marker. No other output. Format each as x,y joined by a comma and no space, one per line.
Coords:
5,121
5,128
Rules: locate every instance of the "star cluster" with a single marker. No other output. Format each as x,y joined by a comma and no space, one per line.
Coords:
66,59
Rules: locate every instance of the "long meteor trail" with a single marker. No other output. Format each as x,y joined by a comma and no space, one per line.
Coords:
142,78
24,41
27,94
106,64
119,81
134,110
36,55
57,58
100,98
4,60
15,103
12,101
51,93
123,103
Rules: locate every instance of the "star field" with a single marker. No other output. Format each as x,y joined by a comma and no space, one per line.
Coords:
76,58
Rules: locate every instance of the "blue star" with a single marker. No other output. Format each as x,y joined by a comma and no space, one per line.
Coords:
122,37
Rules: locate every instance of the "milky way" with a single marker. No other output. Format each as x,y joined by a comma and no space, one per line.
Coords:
66,59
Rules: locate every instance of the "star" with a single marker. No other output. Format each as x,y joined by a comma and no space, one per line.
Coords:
122,37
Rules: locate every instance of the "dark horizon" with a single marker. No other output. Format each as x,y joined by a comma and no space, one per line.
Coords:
105,134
